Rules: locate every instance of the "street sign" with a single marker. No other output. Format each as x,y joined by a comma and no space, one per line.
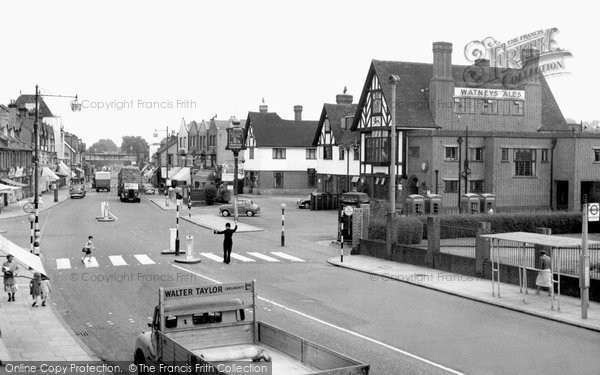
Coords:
593,211
235,139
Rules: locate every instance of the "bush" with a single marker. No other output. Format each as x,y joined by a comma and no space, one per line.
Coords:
410,230
210,195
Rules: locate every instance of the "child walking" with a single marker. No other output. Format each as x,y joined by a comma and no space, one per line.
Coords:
87,250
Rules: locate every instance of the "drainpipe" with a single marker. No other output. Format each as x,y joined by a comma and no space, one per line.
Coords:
554,141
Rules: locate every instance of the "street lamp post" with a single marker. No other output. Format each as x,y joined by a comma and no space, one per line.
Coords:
166,161
75,107
391,227
235,143
460,141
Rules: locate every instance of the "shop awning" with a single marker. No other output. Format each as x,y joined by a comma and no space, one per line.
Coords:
22,256
7,188
182,175
150,172
63,169
46,172
12,182
355,179
73,174
79,171
173,171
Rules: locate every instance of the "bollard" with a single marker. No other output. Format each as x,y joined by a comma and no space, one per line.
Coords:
189,247
173,238
55,195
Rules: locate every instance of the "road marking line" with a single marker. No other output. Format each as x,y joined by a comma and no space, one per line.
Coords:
263,257
63,264
241,257
212,256
92,263
195,273
387,346
117,260
144,259
286,256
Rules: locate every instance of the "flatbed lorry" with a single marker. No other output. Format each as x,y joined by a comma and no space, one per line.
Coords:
129,184
213,329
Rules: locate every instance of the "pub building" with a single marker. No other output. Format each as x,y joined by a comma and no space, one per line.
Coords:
472,129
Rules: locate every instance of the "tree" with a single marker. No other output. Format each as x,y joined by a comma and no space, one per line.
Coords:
134,145
104,145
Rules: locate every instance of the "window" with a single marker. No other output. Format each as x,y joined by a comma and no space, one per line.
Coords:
504,154
278,180
450,186
451,153
471,105
524,162
460,106
326,127
311,153
490,106
597,154
207,318
347,122
376,102
171,321
544,155
356,152
377,147
328,152
342,151
278,153
312,177
414,152
476,186
518,107
251,153
476,154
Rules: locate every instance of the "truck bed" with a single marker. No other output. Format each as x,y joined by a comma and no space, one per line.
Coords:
281,362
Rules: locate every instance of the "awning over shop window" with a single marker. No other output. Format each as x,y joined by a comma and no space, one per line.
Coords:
7,188
355,179
79,171
182,175
46,172
63,169
173,171
12,182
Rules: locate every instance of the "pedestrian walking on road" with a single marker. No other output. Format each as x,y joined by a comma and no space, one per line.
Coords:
227,241
10,270
544,277
46,289
87,250
35,288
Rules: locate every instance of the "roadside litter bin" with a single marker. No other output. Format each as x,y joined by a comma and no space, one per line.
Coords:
469,203
487,202
354,199
433,202
415,204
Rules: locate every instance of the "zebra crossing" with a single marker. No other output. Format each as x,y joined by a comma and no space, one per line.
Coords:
145,259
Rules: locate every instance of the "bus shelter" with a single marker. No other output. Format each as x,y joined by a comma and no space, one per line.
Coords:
519,249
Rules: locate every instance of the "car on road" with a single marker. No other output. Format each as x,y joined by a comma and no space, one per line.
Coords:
245,206
149,189
303,203
77,191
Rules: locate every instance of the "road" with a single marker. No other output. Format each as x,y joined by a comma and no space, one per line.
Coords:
398,328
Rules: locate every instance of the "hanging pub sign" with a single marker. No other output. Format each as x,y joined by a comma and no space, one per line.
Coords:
235,139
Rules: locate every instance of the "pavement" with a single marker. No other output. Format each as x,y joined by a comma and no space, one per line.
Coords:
563,309
39,333
35,333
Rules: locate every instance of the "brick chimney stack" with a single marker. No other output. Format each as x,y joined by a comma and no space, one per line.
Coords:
442,60
441,86
298,112
344,98
263,108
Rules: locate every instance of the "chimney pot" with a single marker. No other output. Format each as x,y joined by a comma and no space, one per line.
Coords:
442,60
298,113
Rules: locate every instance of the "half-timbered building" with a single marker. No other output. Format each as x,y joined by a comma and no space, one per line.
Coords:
337,148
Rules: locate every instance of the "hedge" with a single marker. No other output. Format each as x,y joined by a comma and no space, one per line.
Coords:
410,230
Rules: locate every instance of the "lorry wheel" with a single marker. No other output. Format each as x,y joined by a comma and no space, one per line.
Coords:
97,190
249,213
140,361
225,213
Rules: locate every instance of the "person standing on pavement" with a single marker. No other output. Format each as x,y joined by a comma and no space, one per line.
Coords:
46,289
544,277
87,250
35,288
10,270
227,241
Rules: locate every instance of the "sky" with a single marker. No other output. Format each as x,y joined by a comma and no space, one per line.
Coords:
141,66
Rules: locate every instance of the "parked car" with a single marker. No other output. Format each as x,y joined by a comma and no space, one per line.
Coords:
77,191
149,189
303,203
245,206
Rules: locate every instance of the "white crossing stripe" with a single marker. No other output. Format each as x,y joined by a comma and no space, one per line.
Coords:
286,256
117,260
263,257
241,257
63,264
92,263
212,256
143,259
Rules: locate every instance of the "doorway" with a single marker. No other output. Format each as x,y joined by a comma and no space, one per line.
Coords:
562,195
